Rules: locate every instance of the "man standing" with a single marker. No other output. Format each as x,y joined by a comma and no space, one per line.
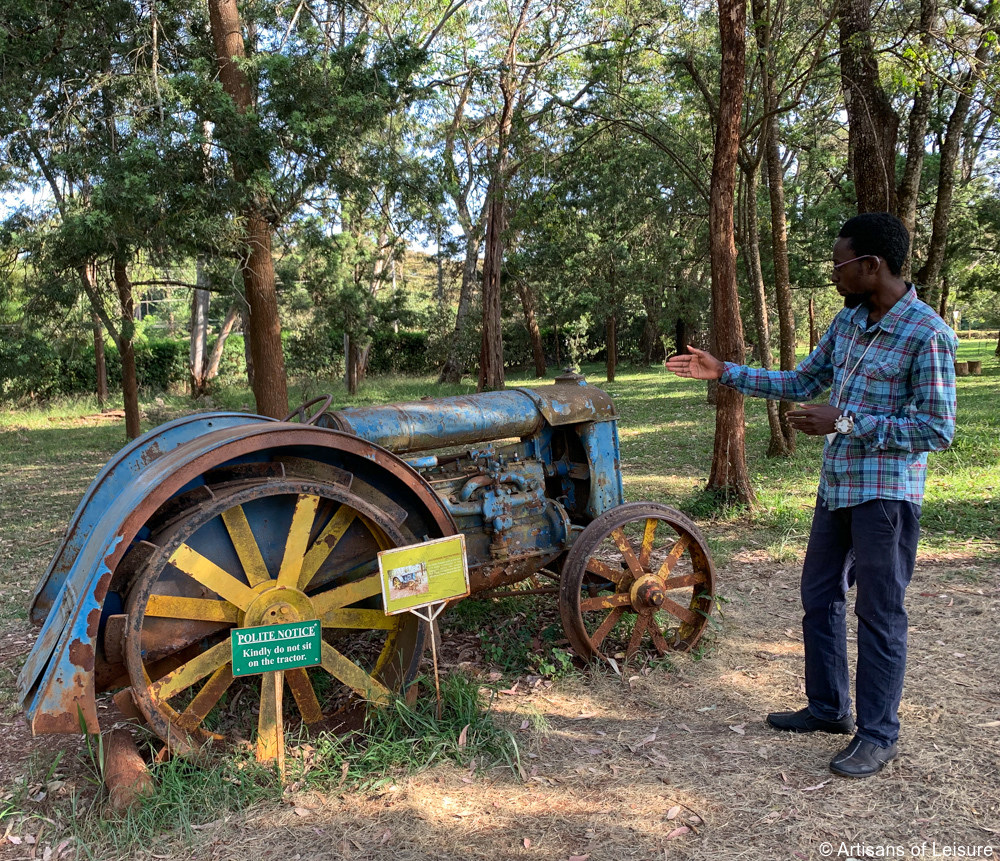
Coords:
888,361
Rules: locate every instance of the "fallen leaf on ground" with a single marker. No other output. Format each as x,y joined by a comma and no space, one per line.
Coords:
463,737
586,716
301,811
817,786
526,843
578,857
739,729
677,832
673,811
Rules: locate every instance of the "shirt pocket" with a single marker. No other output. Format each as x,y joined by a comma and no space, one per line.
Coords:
882,381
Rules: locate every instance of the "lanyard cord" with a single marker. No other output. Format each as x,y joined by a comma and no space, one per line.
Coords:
849,374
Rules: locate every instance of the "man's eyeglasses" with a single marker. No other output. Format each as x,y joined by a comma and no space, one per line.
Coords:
838,266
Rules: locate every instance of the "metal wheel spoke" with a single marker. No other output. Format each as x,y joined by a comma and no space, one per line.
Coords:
200,609
298,540
344,669
602,569
270,727
193,671
365,619
675,554
662,646
206,698
324,544
243,540
641,621
648,537
305,696
605,602
349,593
628,554
206,572
605,628
682,613
683,581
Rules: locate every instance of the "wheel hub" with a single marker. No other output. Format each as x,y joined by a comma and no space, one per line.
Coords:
277,605
647,593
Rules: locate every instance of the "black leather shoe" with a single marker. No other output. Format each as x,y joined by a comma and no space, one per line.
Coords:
862,759
805,721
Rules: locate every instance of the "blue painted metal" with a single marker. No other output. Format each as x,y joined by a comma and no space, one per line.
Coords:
111,480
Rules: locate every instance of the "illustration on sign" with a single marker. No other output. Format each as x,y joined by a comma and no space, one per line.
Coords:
408,581
423,574
276,647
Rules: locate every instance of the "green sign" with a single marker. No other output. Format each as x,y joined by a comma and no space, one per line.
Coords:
423,574
276,647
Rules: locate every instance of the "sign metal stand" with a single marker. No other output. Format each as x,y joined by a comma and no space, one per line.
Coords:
433,611
421,579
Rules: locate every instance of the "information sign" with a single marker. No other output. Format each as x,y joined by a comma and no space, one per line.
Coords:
276,647
423,574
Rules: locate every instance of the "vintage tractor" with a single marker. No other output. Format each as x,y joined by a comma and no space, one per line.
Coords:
222,520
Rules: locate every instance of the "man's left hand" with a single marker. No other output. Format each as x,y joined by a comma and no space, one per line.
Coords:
814,420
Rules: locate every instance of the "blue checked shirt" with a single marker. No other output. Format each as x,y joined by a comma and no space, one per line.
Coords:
902,396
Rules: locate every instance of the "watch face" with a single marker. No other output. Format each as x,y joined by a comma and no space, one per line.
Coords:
844,424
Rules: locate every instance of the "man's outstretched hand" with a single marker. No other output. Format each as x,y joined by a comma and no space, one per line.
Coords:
698,365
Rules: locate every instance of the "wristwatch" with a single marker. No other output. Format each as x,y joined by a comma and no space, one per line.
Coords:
844,424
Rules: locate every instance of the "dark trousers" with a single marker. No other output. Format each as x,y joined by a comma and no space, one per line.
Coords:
873,545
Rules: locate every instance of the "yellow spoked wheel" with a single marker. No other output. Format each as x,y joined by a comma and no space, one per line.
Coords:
639,577
264,553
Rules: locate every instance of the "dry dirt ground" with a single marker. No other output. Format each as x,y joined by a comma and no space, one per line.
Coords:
674,764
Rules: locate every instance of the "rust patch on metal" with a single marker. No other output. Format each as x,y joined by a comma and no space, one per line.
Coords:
101,592
81,654
153,452
93,621
46,723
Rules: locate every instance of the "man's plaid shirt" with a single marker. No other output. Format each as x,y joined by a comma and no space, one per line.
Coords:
902,395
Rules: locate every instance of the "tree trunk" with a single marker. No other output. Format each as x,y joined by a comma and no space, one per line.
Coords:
491,376
943,307
729,477
130,385
813,334
100,366
453,365
269,384
930,274
527,298
872,123
232,315
611,333
776,447
909,186
681,337
350,365
779,232
200,299
247,352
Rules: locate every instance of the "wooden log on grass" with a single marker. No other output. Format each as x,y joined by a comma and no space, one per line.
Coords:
125,773
961,369
975,368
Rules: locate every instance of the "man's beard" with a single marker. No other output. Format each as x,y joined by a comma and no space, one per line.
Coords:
856,300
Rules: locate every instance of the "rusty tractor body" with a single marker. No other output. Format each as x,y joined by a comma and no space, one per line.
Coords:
223,520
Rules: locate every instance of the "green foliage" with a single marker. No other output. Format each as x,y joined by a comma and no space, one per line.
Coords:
33,367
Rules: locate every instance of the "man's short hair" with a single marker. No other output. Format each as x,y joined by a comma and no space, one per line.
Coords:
880,234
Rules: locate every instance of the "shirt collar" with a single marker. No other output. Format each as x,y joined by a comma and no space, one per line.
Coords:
894,315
